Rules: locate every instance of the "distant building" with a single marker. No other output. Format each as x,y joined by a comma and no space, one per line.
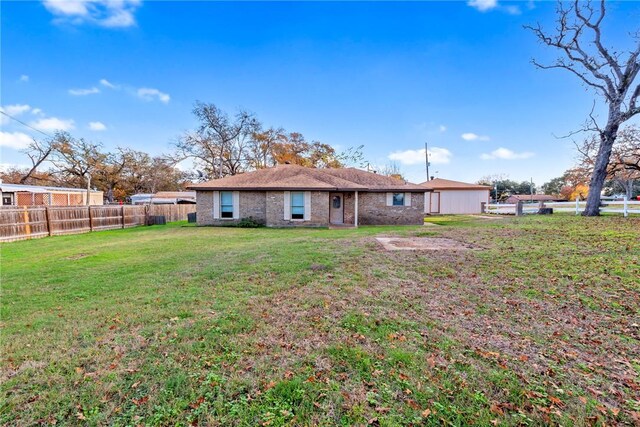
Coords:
165,198
454,197
40,195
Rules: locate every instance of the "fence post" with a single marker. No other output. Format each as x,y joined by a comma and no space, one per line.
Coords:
122,213
46,214
626,207
577,206
90,219
519,207
27,224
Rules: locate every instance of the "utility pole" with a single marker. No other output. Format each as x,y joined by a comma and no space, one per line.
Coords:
531,189
426,158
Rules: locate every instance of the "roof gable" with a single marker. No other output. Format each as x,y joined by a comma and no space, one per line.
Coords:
447,184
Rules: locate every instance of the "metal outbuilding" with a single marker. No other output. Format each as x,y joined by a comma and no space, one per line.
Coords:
454,197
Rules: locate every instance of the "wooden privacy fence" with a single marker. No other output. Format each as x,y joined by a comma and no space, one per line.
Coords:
625,207
30,222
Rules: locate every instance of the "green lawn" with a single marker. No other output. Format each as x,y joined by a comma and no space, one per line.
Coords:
178,325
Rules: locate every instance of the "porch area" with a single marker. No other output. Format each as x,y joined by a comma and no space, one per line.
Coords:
343,209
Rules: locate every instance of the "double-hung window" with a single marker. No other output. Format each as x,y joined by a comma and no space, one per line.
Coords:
226,204
297,205
398,199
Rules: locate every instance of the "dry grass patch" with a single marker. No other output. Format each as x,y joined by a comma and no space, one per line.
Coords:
209,326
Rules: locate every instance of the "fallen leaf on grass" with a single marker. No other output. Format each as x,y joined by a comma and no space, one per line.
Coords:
197,403
140,401
556,401
496,409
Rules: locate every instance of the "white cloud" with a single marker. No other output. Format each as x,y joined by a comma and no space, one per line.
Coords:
487,5
150,94
512,9
483,5
442,128
97,126
12,110
105,13
53,124
437,155
506,154
16,140
23,78
36,111
66,7
470,136
107,83
83,92
16,109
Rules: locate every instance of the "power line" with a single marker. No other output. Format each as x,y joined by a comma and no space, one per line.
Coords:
24,124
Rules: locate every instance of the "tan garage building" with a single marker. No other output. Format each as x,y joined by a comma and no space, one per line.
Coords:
454,197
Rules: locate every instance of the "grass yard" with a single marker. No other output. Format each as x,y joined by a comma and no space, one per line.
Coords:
178,325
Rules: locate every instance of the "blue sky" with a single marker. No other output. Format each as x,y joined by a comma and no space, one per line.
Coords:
389,76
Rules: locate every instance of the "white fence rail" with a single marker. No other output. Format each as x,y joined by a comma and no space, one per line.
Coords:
624,207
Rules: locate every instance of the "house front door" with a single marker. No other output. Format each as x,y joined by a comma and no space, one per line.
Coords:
336,208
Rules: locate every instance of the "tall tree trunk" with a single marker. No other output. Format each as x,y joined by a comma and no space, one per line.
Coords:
599,175
628,188
110,194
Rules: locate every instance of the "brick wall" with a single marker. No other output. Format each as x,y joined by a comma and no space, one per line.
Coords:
268,207
373,210
251,204
349,207
319,210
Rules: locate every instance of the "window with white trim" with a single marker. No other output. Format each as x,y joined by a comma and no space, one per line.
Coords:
226,204
297,205
398,199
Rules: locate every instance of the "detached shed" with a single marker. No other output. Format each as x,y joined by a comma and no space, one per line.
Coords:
454,197
36,195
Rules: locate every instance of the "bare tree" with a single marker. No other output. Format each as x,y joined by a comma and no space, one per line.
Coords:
38,152
76,158
610,73
109,172
392,169
262,147
220,144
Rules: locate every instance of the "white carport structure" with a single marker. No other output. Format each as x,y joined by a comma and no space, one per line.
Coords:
454,197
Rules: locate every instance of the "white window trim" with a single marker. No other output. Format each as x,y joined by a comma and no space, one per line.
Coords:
407,199
307,207
236,204
217,206
287,205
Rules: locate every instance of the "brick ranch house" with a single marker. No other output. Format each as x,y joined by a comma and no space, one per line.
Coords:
294,196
